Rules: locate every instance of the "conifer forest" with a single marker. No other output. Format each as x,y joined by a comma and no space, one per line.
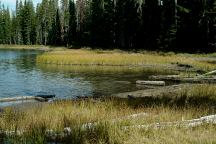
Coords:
167,25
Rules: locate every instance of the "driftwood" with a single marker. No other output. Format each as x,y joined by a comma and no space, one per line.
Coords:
211,119
156,83
40,98
177,78
204,78
210,73
22,98
130,117
166,77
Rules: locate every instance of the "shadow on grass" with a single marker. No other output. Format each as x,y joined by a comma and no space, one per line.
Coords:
165,101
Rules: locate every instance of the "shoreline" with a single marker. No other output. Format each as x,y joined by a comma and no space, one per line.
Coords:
97,57
25,47
114,119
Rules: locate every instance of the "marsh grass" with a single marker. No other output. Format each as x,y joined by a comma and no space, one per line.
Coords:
190,96
121,58
200,95
105,69
24,47
36,120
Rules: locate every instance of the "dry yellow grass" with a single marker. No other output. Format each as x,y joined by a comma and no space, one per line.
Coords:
59,115
120,58
105,69
174,135
64,114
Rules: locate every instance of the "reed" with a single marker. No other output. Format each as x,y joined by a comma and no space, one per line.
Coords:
105,69
122,58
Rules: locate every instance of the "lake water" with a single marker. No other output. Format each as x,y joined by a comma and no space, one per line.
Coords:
20,75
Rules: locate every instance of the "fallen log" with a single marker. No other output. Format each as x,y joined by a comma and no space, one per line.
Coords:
155,83
26,98
165,77
210,73
177,78
21,98
130,117
211,119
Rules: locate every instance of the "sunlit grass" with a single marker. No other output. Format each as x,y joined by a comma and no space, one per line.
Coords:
174,135
109,114
75,114
121,58
203,90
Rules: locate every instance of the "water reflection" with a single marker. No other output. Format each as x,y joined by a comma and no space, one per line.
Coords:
105,80
20,75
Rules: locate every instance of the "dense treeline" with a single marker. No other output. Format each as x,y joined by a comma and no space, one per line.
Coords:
183,25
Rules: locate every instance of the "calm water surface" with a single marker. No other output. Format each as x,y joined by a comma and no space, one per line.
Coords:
20,75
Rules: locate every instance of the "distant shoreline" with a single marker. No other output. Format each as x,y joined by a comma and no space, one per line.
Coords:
25,47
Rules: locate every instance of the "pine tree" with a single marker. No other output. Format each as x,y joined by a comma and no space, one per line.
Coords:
58,28
25,23
14,29
188,25
168,25
97,23
151,24
65,15
7,26
127,23
211,27
1,24
109,23
52,33
33,32
83,21
72,35
17,20
43,21
193,26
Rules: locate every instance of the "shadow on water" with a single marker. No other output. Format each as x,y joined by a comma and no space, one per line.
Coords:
105,80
